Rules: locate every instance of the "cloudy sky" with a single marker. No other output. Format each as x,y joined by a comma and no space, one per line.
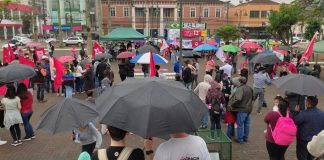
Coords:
235,2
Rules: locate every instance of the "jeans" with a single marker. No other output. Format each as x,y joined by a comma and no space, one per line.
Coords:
47,85
204,120
259,92
276,152
215,121
302,152
230,130
68,91
78,84
188,85
28,127
15,132
195,80
40,92
243,126
251,67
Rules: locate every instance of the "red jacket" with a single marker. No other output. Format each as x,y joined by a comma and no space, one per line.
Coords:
27,104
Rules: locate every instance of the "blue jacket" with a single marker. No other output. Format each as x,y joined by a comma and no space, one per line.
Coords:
176,67
309,123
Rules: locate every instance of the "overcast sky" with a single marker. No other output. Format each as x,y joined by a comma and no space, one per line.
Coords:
235,2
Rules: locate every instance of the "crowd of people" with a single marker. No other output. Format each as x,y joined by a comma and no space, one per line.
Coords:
227,96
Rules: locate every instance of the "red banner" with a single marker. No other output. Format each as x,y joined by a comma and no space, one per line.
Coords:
190,33
196,43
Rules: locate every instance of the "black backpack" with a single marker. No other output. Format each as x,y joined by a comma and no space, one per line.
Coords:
215,106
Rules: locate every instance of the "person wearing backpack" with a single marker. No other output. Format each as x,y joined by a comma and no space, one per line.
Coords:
309,123
117,149
281,131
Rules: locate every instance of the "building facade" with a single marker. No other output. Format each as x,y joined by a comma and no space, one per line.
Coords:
151,17
12,18
252,17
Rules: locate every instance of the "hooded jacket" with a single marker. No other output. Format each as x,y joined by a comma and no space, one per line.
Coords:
202,88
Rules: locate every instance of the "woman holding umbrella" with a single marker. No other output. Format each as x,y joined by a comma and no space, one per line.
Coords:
12,117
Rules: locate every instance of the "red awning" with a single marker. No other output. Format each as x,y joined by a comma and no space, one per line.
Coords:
19,7
11,25
77,28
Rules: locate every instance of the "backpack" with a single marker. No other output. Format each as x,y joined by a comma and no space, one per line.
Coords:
124,155
285,131
216,107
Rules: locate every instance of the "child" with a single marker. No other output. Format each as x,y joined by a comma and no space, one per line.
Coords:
276,101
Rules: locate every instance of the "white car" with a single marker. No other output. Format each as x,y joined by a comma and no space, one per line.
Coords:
74,41
22,40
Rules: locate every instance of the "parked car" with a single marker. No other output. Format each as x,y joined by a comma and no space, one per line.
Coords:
14,41
73,41
21,40
24,35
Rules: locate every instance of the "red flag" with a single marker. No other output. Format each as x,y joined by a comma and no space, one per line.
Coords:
27,62
5,56
309,50
97,49
59,68
152,65
40,52
195,43
11,53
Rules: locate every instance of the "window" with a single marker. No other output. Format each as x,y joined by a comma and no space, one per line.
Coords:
139,12
167,12
192,12
154,12
206,12
126,12
113,11
254,14
218,12
264,14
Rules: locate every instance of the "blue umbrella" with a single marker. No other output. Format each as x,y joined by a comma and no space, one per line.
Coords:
145,59
205,47
169,41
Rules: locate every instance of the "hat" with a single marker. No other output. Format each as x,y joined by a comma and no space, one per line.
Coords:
84,156
316,145
87,65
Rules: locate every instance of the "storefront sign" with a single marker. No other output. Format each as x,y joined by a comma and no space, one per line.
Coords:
190,33
185,25
204,33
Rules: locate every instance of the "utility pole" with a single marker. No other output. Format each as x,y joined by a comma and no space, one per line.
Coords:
180,41
89,43
109,17
99,16
34,21
59,23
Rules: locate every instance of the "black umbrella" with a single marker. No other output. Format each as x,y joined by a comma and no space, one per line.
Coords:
189,54
103,56
147,48
151,107
67,115
84,62
15,72
301,84
266,58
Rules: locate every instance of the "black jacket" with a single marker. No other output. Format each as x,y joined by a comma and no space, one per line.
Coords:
186,75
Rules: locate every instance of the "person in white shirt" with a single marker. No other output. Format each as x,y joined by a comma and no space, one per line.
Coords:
196,71
227,68
78,78
179,146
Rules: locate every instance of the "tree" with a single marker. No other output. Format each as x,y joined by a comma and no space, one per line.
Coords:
88,22
59,23
228,32
3,9
313,26
281,22
313,8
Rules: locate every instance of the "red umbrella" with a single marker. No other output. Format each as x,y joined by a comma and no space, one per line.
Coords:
250,45
34,44
124,55
64,59
212,42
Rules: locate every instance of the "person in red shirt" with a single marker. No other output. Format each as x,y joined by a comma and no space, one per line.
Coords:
291,67
275,151
26,100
